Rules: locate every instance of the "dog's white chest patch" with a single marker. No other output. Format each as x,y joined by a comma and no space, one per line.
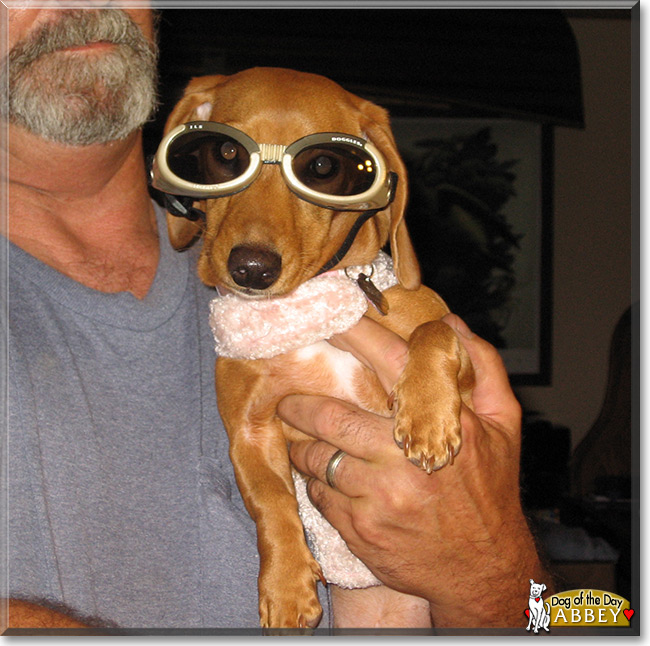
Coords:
342,366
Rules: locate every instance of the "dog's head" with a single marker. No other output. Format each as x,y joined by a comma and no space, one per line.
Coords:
536,589
265,240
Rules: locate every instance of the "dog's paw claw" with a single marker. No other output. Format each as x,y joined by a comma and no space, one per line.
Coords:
302,622
430,450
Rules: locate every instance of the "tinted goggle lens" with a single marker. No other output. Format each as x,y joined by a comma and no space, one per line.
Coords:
335,169
207,158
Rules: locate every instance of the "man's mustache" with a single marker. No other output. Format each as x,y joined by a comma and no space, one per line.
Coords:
75,28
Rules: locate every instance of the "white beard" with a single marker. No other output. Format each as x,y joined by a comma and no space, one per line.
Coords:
81,99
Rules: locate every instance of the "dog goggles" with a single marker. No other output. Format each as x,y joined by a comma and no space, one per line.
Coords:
206,159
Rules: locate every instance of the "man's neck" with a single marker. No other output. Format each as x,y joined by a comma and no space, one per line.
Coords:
83,210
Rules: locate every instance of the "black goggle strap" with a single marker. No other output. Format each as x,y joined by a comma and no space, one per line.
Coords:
177,205
181,207
347,243
352,234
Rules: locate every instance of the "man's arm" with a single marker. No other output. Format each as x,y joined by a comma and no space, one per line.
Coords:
458,537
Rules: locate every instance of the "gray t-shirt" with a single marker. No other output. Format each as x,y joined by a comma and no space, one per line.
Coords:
122,502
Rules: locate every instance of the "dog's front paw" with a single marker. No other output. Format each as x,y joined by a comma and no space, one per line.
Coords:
290,600
429,433
426,400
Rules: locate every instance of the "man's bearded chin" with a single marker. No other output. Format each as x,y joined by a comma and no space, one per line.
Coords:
81,98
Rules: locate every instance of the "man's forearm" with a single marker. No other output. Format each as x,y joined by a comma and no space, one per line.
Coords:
499,596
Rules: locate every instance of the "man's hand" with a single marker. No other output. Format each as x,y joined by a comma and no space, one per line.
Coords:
457,537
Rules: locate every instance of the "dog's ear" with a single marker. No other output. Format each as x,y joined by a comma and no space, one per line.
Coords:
543,587
376,126
195,105
531,582
197,101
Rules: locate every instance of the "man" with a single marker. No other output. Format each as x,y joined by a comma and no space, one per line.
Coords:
123,510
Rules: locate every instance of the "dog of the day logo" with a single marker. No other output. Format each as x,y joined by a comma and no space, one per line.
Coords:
590,608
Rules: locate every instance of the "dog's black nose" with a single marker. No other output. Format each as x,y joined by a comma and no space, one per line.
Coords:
254,267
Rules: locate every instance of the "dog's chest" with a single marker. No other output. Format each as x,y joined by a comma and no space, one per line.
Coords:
340,366
320,368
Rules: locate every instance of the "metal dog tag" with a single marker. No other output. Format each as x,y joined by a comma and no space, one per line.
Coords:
373,294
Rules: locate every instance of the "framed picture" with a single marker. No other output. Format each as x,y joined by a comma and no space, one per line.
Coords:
480,218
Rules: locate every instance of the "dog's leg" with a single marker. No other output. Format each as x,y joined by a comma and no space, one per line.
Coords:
427,426
531,616
288,571
258,450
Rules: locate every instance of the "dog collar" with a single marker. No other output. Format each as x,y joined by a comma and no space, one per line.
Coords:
318,309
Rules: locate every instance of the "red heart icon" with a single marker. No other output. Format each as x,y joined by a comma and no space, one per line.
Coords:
628,613
527,613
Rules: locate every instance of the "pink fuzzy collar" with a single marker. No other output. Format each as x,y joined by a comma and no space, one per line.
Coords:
318,309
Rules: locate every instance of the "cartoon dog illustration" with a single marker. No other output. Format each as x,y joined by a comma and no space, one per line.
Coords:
540,612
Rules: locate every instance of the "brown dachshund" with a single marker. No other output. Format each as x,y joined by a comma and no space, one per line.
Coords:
278,214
